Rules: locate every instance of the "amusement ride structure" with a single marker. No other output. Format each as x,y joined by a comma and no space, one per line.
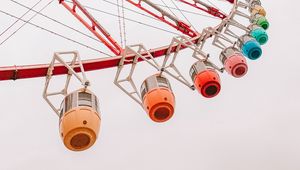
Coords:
79,115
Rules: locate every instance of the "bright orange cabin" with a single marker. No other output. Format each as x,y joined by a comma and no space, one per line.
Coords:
158,98
206,79
79,120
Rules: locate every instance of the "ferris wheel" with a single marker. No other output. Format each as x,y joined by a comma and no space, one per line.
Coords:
238,37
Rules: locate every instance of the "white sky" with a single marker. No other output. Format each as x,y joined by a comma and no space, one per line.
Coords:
252,124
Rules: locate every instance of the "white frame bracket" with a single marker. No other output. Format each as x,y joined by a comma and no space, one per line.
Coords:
75,63
130,54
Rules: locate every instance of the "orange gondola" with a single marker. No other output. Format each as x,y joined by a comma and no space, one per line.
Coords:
79,120
158,98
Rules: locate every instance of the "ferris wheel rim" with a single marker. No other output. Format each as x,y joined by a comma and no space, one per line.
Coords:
40,70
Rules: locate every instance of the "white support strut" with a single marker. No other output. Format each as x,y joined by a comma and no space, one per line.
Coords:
70,66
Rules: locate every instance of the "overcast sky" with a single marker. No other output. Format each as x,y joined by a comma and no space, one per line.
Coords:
252,125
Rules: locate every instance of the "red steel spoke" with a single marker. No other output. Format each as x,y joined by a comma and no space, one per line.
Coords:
205,7
94,27
172,20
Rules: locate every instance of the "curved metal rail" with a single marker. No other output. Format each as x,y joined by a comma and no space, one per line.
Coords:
40,70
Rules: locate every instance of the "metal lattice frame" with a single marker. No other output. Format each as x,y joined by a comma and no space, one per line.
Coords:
140,54
178,43
72,68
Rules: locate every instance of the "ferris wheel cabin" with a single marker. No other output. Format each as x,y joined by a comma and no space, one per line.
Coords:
206,79
234,62
158,98
79,120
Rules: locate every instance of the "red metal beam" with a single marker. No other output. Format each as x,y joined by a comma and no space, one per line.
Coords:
173,21
93,26
40,70
206,8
